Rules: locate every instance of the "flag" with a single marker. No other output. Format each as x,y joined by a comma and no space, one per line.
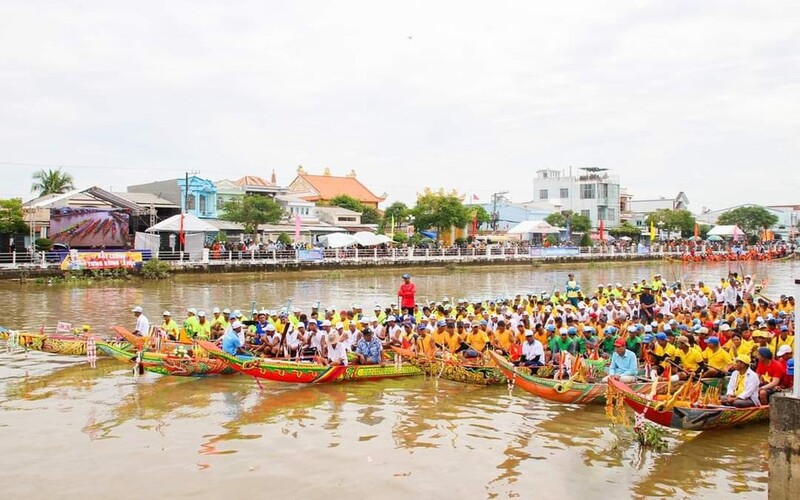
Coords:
475,197
474,224
601,230
652,231
297,228
181,234
696,230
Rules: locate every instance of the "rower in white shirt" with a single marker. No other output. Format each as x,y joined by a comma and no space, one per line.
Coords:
337,354
142,327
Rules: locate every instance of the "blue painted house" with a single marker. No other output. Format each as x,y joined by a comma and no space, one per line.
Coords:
201,199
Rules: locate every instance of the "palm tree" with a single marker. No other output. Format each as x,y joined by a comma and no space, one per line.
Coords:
52,182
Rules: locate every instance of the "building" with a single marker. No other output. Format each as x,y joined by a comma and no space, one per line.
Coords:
323,188
638,210
590,191
508,214
786,227
348,220
229,190
201,199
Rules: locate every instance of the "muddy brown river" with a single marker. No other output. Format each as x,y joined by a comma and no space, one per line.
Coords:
68,431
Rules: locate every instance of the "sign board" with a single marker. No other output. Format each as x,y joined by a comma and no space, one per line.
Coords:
310,255
554,251
78,261
89,227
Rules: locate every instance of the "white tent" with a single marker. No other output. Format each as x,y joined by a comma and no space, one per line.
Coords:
367,239
726,231
533,227
191,224
338,240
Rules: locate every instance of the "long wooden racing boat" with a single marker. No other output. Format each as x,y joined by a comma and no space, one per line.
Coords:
139,343
167,364
563,391
711,417
307,373
454,370
65,344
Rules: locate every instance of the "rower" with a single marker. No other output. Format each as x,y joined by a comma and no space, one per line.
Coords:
624,366
203,326
532,352
742,389
169,326
142,327
770,374
718,359
231,342
368,350
336,355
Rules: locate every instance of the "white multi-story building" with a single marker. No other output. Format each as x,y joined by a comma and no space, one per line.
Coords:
589,191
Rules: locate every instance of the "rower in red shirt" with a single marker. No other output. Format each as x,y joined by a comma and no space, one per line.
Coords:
770,373
783,357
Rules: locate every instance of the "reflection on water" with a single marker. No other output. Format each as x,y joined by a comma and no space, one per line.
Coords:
416,436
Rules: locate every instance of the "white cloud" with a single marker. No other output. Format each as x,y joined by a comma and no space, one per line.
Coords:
672,95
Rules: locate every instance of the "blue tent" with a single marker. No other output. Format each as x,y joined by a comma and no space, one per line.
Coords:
428,234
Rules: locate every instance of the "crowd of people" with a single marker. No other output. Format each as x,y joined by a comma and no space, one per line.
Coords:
649,327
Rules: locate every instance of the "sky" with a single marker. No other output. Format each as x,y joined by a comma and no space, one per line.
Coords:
701,97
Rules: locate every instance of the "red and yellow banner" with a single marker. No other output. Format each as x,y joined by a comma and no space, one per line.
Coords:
78,261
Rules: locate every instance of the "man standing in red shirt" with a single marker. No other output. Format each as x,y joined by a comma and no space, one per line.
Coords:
783,356
407,292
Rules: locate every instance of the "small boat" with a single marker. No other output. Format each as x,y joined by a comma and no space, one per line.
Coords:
302,372
168,364
457,371
65,344
711,417
563,391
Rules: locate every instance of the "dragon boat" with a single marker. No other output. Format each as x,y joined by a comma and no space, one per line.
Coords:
167,363
452,369
564,391
147,343
691,417
65,344
301,372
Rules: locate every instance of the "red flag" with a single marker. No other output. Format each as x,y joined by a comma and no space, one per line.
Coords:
475,197
181,234
474,225
601,230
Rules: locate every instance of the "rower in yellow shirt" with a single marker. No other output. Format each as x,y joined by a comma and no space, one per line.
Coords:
477,338
717,358
503,338
170,327
424,344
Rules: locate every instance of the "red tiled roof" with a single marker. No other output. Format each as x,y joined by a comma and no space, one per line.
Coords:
329,186
252,180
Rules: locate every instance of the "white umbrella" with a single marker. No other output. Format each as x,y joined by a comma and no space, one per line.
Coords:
533,227
191,224
367,239
338,240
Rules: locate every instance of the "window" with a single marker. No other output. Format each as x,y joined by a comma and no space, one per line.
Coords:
347,219
542,194
202,204
190,202
603,191
586,213
601,213
564,193
588,191
611,214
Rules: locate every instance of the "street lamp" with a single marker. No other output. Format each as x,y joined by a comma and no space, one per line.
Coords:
660,225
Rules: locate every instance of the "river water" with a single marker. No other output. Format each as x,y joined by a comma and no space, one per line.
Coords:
67,430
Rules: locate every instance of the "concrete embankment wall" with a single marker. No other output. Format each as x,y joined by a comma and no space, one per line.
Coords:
248,266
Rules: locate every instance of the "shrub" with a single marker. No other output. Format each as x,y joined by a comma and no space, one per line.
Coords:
155,269
43,244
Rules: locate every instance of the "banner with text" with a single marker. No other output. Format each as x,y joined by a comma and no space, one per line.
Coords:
310,255
554,251
78,261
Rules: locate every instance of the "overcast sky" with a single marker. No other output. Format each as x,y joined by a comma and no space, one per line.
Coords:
702,97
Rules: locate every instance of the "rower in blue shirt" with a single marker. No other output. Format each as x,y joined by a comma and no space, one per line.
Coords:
623,365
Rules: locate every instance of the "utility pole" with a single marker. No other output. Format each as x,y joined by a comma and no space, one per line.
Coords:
495,215
186,192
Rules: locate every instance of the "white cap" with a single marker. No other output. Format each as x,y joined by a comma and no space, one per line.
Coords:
215,310
192,310
166,313
784,349
137,309
236,324
326,323
226,311
391,318
339,326
270,327
724,328
202,314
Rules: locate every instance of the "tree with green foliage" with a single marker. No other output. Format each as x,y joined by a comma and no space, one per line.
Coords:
674,220
397,211
369,215
625,229
12,218
480,213
52,182
577,223
251,211
751,220
440,211
284,239
586,240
